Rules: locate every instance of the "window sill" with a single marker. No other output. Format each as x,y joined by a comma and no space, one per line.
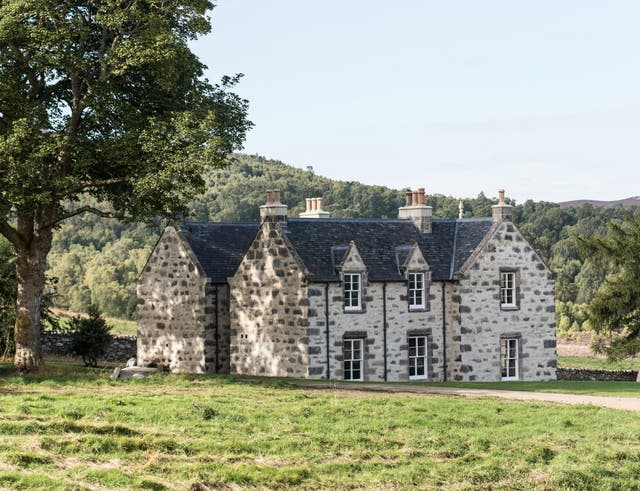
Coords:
418,309
509,307
353,311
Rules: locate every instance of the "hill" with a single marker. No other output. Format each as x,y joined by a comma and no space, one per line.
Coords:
98,260
633,201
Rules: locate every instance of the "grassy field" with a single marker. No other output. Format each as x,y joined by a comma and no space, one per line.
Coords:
120,327
72,428
599,363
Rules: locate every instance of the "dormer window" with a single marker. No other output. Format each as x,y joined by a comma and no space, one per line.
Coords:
416,291
352,292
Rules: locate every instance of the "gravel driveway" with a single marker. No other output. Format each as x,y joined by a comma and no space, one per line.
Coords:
613,402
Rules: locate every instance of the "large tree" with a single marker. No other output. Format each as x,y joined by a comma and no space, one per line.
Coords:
614,313
101,98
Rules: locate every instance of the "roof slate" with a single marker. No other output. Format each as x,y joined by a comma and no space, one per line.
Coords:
221,246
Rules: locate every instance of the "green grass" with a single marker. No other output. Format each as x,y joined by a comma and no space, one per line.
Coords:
123,327
120,327
598,363
72,428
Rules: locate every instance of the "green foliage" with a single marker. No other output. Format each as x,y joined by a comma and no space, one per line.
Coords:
90,337
615,310
103,109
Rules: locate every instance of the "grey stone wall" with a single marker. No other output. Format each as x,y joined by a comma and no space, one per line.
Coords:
223,327
453,342
583,374
483,322
368,325
176,313
403,323
269,306
121,348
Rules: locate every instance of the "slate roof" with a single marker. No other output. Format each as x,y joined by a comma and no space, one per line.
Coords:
321,244
219,246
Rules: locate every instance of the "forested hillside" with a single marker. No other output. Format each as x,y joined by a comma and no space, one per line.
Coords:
97,260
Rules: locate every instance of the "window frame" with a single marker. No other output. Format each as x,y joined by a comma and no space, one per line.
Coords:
349,298
506,356
414,359
508,287
412,292
347,363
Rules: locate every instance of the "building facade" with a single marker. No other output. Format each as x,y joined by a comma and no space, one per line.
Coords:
414,298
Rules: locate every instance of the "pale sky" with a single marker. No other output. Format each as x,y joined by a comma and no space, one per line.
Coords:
539,97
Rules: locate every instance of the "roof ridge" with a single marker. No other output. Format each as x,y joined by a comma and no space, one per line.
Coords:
234,224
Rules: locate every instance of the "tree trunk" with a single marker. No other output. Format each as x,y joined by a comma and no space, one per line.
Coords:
30,268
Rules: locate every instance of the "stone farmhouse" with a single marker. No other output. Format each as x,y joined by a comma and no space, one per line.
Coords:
413,298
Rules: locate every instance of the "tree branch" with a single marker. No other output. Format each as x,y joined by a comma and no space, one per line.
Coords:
12,235
79,211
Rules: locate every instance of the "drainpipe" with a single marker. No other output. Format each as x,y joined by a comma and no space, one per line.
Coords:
384,326
217,331
444,334
326,323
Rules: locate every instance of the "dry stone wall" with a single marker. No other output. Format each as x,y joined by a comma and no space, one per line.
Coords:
584,374
484,322
269,307
121,348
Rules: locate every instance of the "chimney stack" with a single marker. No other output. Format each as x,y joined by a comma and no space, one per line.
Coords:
416,210
502,211
314,209
273,210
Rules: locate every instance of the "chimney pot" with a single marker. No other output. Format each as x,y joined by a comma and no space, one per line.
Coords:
417,210
314,209
502,211
273,210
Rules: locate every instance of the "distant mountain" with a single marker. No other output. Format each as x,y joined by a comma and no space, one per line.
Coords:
633,201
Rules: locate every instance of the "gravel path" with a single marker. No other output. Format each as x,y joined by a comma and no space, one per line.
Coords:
613,402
